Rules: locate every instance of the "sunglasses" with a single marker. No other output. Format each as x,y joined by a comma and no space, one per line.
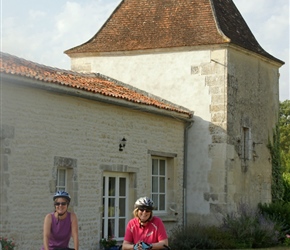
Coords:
146,210
60,203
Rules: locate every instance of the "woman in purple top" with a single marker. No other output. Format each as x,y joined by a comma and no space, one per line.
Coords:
61,225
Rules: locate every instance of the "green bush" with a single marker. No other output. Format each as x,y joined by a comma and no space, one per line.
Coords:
279,212
247,228
251,229
7,244
286,183
199,237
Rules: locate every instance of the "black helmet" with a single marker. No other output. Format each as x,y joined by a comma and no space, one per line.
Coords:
144,202
62,194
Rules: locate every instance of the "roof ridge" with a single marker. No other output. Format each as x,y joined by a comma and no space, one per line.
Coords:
138,25
217,22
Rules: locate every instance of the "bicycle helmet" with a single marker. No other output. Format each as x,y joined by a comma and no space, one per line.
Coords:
62,194
144,202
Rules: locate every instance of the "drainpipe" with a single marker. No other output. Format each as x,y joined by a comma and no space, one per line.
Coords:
189,125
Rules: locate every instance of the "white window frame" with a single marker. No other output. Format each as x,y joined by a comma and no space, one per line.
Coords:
106,196
161,183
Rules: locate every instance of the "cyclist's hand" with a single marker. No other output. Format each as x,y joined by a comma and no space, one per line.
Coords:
136,246
146,246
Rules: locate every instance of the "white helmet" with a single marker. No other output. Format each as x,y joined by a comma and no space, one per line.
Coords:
144,202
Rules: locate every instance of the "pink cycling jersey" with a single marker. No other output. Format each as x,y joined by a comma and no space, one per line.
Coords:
152,232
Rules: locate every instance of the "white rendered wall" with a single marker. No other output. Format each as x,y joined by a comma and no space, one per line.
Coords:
227,89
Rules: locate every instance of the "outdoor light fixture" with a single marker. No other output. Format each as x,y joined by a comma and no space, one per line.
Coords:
122,144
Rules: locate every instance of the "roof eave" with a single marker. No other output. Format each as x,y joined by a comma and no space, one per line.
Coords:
67,90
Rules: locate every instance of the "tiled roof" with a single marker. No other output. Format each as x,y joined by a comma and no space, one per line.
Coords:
155,24
94,83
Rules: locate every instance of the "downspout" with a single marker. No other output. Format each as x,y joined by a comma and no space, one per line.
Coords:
188,126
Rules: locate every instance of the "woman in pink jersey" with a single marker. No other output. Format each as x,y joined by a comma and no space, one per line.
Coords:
144,231
60,225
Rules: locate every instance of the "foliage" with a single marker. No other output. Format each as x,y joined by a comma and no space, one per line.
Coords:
284,125
277,170
284,128
251,229
278,212
287,240
286,183
199,237
108,242
7,244
247,228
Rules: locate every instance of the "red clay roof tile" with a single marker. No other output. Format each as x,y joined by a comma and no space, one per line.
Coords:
155,24
95,83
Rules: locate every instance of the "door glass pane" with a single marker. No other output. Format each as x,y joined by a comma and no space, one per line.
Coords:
162,185
112,186
122,187
111,210
154,166
161,202
155,200
111,227
122,227
162,167
122,206
154,184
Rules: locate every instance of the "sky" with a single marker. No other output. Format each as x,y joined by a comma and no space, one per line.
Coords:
40,31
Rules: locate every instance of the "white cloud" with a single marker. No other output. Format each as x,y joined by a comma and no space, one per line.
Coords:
41,32
35,14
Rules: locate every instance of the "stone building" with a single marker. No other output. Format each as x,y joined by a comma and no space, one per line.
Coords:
103,141
63,129
202,55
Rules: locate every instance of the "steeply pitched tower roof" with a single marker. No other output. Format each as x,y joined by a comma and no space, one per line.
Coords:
155,24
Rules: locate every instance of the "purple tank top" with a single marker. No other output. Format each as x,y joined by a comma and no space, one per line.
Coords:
60,232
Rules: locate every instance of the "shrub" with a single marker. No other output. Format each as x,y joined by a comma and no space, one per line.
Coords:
247,228
279,212
251,229
199,237
7,244
287,240
108,242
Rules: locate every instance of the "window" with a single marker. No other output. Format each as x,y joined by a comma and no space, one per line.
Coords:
115,205
61,180
159,176
246,148
246,144
65,177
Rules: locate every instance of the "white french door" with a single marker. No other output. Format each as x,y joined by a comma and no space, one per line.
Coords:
115,207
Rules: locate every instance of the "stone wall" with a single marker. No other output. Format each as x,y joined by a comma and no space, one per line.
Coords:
231,91
41,130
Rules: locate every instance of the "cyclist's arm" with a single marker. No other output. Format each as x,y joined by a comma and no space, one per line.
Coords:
160,244
127,245
74,230
46,230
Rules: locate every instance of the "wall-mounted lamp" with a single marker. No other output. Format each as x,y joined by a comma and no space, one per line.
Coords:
122,144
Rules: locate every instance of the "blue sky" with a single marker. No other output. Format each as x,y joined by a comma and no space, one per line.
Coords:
41,31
